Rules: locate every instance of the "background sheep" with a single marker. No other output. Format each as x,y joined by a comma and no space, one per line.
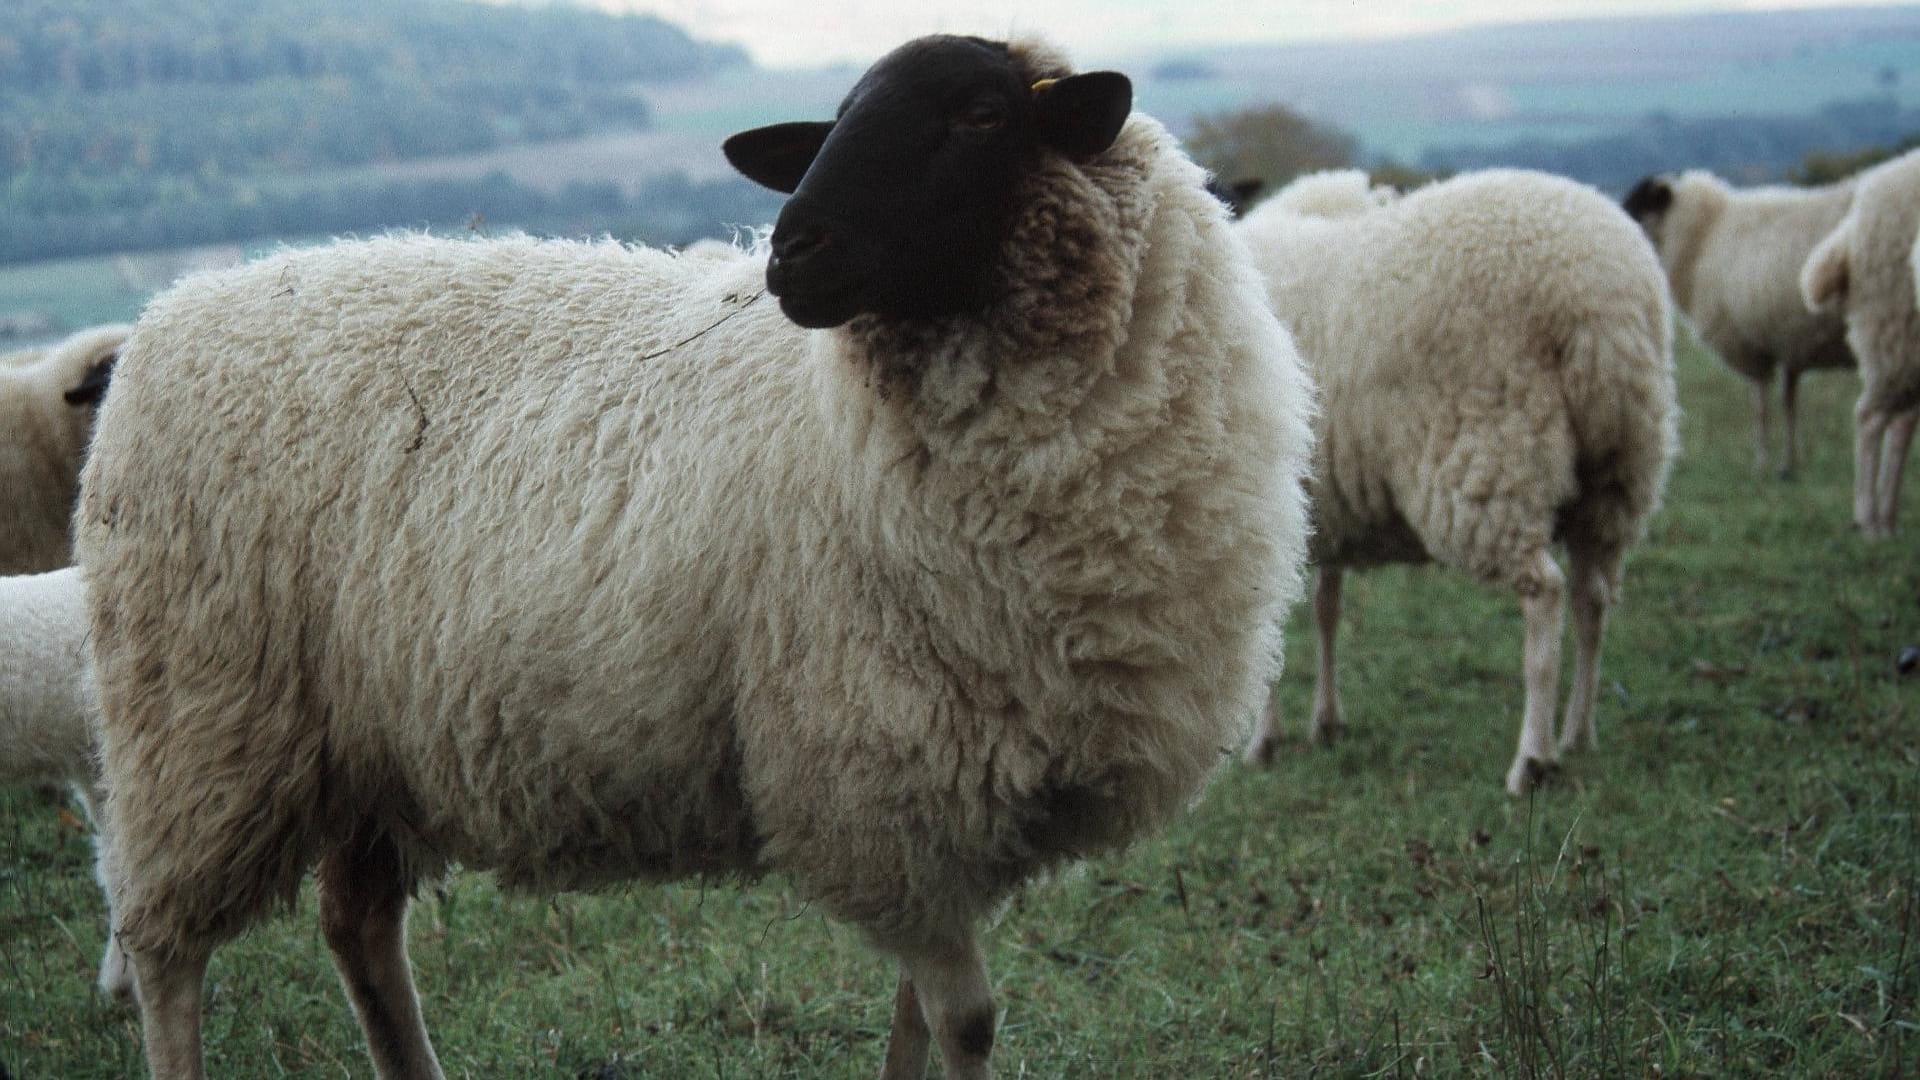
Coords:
47,403
1494,360
579,563
1733,257
1864,269
47,705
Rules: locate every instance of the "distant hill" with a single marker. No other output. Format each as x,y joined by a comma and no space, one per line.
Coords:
143,123
95,85
1747,92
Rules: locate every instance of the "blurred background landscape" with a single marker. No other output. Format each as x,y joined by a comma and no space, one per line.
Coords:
143,138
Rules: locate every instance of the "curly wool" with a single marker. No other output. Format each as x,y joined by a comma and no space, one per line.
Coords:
43,441
581,563
1493,357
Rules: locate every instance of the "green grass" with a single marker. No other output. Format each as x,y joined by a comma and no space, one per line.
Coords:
1729,887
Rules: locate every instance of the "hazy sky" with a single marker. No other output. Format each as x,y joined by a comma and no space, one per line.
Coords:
799,33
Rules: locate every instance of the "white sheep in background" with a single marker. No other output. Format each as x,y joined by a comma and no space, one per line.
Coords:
1864,271
1733,258
47,403
1494,361
582,564
47,706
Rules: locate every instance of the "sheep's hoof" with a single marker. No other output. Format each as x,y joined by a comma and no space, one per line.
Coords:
1329,732
1531,774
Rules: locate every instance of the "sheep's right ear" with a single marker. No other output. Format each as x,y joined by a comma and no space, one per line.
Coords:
1649,197
777,156
93,387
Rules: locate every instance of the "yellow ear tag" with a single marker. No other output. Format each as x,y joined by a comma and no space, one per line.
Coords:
1043,84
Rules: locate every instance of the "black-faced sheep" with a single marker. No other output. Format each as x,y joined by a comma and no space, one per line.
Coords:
582,564
1864,271
1493,355
1733,257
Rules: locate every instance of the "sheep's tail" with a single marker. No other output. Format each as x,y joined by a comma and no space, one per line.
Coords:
1823,280
1621,401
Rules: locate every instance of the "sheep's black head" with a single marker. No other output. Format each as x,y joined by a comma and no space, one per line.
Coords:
1647,203
92,387
901,204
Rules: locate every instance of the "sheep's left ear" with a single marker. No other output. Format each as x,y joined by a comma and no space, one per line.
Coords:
1080,115
93,387
777,156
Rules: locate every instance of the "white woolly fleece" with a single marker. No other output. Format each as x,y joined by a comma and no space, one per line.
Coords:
1486,348
581,563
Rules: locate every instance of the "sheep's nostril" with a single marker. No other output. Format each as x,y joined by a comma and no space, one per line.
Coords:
800,245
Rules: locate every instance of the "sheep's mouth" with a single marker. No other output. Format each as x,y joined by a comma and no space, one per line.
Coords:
813,305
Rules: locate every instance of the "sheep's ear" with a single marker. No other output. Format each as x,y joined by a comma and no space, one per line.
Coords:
93,387
777,156
1235,196
1649,197
1080,115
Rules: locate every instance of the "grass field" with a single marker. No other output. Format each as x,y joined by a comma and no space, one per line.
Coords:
1729,887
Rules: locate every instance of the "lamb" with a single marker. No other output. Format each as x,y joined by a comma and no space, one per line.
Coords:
47,403
1494,356
1863,272
581,564
46,710
1733,257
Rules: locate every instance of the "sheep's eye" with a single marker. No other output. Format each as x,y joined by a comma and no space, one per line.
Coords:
982,117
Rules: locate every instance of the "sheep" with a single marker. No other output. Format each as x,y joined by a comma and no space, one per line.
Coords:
1864,271
1494,355
580,564
1733,257
47,403
46,711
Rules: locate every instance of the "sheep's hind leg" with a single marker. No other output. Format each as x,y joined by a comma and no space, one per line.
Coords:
1893,463
1869,431
949,981
1540,594
907,1040
1590,593
170,1008
363,915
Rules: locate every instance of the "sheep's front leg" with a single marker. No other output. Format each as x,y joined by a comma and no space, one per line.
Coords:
1327,724
1789,393
1761,412
363,916
949,981
1540,594
907,1039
